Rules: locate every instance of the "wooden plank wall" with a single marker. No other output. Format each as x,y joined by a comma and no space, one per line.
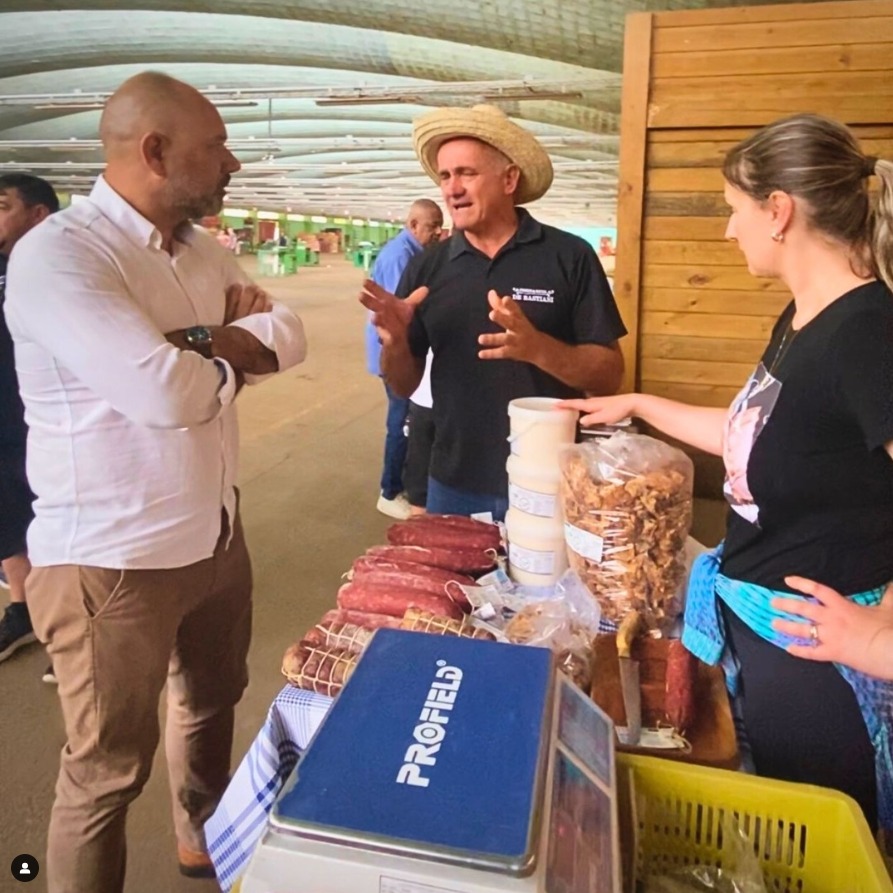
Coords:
695,83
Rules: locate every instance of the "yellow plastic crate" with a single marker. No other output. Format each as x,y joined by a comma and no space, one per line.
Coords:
809,839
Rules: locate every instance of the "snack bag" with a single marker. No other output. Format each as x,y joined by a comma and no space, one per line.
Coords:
627,507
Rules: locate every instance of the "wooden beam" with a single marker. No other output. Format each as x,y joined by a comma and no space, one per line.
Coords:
631,187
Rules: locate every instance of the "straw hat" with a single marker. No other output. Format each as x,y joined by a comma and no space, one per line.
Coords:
490,125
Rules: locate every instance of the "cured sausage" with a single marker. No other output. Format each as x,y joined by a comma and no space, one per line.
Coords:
347,636
323,670
393,600
682,671
366,563
489,534
464,561
441,536
417,581
364,619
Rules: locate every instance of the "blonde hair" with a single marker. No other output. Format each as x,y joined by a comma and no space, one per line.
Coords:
820,161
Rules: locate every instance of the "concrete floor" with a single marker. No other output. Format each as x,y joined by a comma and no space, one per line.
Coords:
311,452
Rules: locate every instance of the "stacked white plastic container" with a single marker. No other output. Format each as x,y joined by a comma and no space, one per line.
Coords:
534,522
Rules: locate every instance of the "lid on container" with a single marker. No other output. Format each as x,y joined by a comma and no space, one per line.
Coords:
541,409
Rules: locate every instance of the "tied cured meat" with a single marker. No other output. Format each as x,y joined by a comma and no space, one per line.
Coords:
346,636
682,674
364,619
463,561
319,669
426,622
393,600
442,536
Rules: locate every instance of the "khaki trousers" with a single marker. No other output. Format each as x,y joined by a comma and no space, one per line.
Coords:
115,638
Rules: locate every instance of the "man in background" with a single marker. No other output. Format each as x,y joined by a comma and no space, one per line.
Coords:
134,331
25,201
424,223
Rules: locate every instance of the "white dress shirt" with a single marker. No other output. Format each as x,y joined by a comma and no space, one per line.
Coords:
132,443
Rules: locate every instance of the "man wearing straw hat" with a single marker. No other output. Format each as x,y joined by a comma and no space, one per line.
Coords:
504,287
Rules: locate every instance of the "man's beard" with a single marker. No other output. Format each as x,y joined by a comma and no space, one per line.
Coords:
191,206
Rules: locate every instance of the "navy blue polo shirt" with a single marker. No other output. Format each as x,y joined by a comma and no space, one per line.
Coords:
13,431
561,287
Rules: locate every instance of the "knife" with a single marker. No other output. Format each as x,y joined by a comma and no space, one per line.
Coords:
630,627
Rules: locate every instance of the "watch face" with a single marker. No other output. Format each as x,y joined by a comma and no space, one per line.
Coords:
198,335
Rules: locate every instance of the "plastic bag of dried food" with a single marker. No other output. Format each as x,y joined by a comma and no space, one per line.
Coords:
740,872
627,506
551,624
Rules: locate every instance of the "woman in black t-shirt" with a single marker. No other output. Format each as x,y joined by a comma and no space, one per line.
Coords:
807,446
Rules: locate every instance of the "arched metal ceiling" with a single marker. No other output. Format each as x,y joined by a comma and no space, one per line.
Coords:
333,158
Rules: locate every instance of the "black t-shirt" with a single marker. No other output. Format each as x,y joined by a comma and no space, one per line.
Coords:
561,287
13,431
818,487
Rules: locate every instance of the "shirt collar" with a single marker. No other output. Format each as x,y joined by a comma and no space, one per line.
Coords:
129,220
529,230
407,236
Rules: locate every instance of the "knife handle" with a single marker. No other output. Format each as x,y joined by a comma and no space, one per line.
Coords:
630,627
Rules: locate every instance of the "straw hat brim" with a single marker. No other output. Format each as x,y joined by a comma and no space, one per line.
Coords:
489,125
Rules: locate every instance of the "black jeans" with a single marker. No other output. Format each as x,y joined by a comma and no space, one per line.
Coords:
802,719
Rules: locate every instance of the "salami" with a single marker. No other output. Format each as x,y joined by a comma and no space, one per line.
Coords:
367,563
477,533
361,618
347,636
440,536
323,670
682,670
425,622
394,600
407,580
464,561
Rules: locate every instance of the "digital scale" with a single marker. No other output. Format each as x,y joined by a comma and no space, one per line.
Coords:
448,765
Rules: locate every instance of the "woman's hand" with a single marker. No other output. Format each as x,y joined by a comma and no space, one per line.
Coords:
603,410
841,631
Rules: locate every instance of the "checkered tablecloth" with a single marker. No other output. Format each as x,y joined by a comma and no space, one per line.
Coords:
235,828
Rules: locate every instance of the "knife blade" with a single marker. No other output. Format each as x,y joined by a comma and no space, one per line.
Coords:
630,627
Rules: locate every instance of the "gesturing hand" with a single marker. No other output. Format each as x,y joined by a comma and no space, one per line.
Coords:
841,630
391,316
519,341
244,299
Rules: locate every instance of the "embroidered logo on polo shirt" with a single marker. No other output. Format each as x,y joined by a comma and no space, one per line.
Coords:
539,295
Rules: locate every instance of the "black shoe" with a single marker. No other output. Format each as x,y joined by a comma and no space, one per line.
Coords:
49,676
15,630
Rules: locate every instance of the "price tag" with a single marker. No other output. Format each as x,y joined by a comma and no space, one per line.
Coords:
584,543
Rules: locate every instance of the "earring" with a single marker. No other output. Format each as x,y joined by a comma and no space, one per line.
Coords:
778,237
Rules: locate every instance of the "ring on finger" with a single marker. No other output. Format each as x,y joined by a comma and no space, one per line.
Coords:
814,634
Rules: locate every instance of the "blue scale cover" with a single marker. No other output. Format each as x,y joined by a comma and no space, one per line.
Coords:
482,788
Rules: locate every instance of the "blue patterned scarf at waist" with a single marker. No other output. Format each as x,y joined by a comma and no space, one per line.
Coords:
705,636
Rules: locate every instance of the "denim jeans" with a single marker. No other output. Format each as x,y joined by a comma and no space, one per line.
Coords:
394,445
449,501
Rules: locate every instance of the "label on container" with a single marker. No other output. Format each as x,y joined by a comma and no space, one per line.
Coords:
531,560
584,543
402,885
532,502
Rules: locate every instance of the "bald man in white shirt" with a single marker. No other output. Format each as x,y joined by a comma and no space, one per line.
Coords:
133,333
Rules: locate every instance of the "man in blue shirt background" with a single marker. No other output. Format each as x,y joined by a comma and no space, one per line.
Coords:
423,227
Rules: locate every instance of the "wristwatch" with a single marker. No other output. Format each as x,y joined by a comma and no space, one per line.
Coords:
200,340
